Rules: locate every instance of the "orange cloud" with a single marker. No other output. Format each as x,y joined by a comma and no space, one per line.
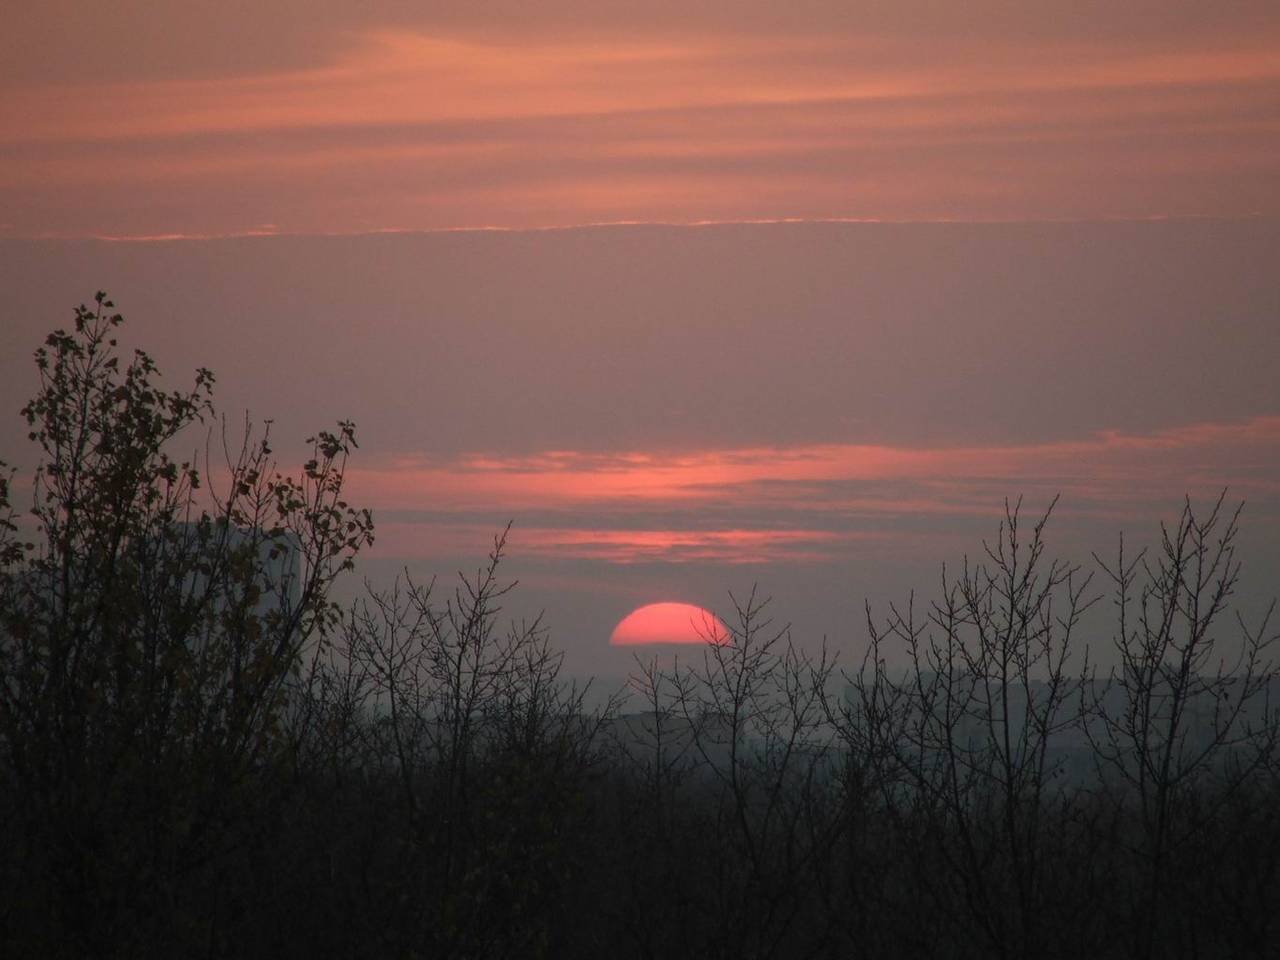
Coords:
620,546
799,504
568,477
415,127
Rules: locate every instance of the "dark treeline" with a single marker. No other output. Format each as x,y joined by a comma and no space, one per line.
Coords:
202,755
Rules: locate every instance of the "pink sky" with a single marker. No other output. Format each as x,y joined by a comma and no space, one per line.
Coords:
883,265
139,119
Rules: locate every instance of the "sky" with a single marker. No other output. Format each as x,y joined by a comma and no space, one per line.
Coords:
754,293
314,116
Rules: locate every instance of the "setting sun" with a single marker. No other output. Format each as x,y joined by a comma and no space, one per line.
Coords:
665,623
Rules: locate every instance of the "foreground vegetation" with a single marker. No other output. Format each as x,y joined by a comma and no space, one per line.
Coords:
201,755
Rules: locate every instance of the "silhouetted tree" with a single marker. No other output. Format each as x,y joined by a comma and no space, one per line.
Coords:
487,749
1185,720
751,754
150,630
964,739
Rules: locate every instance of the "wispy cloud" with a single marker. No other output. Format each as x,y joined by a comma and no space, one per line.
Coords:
439,124
622,546
799,504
